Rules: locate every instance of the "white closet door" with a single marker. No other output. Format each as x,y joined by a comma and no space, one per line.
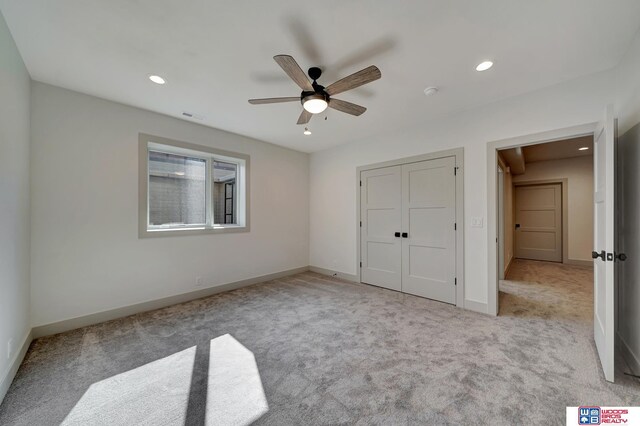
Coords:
428,218
380,204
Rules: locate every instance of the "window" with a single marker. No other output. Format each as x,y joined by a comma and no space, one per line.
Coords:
177,190
225,176
188,188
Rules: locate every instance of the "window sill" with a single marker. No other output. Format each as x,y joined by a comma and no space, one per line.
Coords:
184,231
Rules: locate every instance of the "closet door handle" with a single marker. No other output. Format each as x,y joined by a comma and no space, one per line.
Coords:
405,235
397,234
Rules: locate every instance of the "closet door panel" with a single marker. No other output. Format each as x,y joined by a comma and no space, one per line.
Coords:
381,215
428,218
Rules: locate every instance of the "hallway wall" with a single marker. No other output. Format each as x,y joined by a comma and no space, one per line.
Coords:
508,219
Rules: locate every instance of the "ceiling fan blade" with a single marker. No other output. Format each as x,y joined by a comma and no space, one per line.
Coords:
293,70
305,116
347,107
273,100
354,80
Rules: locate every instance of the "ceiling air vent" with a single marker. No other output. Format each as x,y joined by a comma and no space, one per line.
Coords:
192,115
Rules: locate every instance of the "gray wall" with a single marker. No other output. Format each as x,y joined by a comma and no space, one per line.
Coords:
628,193
87,256
14,204
628,112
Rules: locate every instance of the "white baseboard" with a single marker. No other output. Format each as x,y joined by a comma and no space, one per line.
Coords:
470,305
338,274
630,358
14,365
83,321
506,270
475,306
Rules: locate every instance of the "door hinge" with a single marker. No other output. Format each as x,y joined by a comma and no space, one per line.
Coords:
455,170
455,226
360,224
455,281
361,264
360,183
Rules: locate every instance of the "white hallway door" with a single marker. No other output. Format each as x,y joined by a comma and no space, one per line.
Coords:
538,231
408,240
603,253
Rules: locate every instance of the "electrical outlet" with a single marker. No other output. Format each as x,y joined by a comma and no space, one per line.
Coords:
477,222
9,348
198,281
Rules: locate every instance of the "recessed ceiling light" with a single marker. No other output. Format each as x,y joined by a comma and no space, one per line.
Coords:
430,91
584,148
484,66
157,79
306,132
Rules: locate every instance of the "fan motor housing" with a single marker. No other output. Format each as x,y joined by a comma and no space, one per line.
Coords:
305,96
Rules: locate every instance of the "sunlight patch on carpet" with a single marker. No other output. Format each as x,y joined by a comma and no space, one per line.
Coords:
235,394
158,393
154,393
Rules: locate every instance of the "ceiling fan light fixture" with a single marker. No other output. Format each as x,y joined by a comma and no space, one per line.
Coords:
314,97
315,104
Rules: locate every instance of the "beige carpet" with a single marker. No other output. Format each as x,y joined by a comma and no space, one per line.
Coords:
548,290
313,350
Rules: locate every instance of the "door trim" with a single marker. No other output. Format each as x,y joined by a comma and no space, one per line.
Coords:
564,185
492,187
458,153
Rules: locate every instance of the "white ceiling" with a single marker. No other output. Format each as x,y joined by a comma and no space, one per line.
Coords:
217,54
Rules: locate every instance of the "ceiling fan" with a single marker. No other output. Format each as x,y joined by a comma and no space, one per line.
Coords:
316,98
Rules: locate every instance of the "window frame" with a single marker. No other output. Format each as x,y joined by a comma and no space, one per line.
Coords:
147,143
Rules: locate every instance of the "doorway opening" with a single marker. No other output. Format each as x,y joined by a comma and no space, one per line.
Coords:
545,197
545,229
605,252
